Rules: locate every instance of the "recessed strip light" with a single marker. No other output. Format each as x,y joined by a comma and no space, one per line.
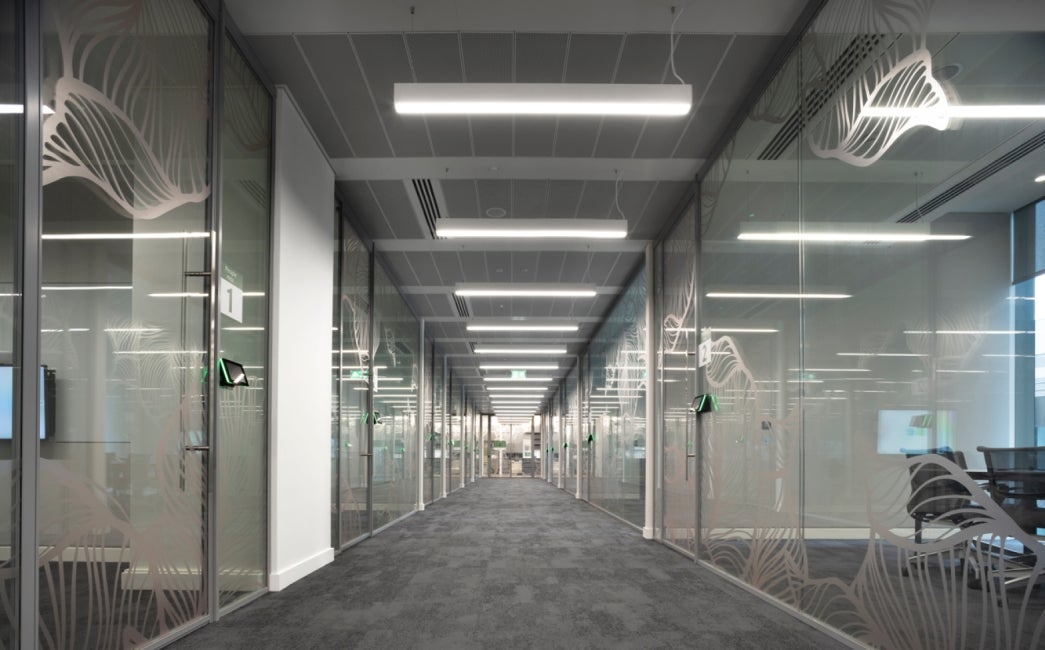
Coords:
532,228
828,370
980,112
542,99
179,294
124,235
244,328
510,327
530,390
1039,179
773,296
524,290
520,350
969,332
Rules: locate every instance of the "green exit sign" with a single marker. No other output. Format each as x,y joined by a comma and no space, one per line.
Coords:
500,444
518,374
355,374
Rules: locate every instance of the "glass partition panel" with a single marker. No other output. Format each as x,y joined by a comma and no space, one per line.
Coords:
243,410
676,268
122,471
11,93
617,385
439,425
749,297
395,385
351,367
454,473
569,432
868,269
428,406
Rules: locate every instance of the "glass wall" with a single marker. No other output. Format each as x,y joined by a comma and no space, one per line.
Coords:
569,431
616,391
124,322
675,263
351,371
870,328
11,93
243,411
396,377
431,460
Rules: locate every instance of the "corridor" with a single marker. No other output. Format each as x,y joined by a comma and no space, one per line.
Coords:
510,563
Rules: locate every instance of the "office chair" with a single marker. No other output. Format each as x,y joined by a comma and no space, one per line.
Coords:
1016,482
935,498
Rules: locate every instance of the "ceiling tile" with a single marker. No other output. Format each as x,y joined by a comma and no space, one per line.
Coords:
384,61
283,61
461,199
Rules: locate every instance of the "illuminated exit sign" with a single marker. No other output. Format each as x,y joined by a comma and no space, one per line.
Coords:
518,374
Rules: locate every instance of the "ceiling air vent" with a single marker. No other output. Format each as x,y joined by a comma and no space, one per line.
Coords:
462,307
843,67
429,205
974,179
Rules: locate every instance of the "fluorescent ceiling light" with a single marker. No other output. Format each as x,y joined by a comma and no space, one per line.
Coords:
1039,179
243,329
133,329
980,112
88,287
880,354
532,228
969,332
773,295
125,235
530,390
518,379
535,366
829,370
542,99
836,232
744,330
18,109
525,290
179,294
520,350
519,327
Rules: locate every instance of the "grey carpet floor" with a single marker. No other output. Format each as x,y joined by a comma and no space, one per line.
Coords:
510,564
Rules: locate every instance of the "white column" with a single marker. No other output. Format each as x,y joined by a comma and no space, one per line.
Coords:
444,399
652,423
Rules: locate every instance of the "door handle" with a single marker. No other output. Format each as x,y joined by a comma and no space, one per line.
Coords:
197,447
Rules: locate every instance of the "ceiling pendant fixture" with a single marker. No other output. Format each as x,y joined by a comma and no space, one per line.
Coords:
534,228
543,99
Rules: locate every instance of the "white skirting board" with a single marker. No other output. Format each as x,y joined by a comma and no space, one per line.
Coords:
285,577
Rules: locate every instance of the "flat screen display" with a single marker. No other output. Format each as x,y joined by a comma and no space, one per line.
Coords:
913,430
7,401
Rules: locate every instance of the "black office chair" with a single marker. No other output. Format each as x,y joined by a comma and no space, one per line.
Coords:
1016,482
935,498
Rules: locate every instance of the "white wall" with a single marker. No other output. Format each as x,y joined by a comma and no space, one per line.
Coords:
303,280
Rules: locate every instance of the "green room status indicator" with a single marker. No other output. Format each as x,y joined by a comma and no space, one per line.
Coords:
518,374
355,374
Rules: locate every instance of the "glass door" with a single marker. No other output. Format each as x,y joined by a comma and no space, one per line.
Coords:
124,447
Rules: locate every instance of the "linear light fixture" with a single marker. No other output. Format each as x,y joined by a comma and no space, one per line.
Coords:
531,366
179,294
842,233
531,391
520,350
512,379
525,290
18,109
880,354
520,327
542,99
124,235
87,287
532,228
744,330
974,112
769,295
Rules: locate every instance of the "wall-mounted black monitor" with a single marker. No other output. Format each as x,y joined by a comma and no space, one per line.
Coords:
7,401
